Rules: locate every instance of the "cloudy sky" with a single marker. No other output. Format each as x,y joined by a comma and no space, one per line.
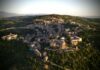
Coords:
87,8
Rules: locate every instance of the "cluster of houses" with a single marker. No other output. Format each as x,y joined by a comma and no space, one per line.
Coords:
50,36
55,39
49,20
47,34
50,33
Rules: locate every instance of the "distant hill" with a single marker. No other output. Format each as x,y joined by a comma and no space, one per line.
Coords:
6,14
48,17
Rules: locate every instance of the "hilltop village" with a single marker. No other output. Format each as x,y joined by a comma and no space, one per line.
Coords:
51,33
48,42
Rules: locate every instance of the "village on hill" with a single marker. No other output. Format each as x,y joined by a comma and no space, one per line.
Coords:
47,37
54,33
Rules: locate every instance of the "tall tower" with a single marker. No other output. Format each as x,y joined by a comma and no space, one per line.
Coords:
63,44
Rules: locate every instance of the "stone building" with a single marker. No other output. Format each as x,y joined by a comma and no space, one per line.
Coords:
75,40
59,44
10,37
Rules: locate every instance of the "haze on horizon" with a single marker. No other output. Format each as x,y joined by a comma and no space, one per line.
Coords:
84,8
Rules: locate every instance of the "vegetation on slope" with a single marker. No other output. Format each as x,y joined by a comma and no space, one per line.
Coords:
16,55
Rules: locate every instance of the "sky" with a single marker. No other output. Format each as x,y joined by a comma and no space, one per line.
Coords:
84,8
